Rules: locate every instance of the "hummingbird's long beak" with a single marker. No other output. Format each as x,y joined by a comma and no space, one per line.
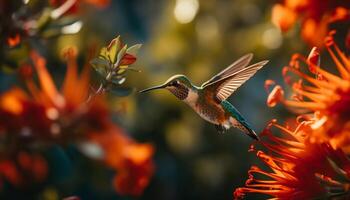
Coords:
153,88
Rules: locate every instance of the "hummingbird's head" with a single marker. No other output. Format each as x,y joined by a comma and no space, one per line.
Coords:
179,85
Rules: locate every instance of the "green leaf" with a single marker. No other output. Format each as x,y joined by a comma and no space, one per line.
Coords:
100,65
102,72
99,62
122,92
121,54
133,50
133,69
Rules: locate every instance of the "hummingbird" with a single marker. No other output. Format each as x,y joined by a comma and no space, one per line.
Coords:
210,99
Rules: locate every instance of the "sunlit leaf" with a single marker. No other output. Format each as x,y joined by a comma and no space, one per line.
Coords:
121,54
99,62
118,80
133,69
115,79
113,49
133,50
104,53
120,71
121,81
115,40
123,66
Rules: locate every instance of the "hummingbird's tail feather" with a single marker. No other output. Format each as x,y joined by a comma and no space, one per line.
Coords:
244,127
252,134
238,121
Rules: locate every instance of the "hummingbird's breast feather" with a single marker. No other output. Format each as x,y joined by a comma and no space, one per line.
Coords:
207,108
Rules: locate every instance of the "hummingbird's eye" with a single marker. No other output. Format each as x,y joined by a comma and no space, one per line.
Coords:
175,83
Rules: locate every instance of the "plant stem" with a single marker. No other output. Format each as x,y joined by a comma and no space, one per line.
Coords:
101,88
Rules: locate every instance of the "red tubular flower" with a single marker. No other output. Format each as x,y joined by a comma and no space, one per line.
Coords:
314,15
48,115
324,95
299,169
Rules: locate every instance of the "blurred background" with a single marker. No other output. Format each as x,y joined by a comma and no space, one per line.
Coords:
197,38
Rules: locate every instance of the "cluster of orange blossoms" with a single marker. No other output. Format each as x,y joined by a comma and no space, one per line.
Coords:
327,96
315,16
309,159
299,169
30,121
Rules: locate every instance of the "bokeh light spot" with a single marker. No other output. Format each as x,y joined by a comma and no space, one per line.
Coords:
181,138
185,10
272,38
207,29
52,113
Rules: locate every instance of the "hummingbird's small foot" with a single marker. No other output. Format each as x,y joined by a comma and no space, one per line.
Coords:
220,129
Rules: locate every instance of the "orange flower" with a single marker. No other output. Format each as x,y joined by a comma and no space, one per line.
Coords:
132,161
49,115
323,95
299,170
310,160
315,17
10,172
23,170
13,41
283,17
135,172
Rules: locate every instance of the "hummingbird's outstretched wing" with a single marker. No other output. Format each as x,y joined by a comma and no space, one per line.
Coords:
224,87
236,66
